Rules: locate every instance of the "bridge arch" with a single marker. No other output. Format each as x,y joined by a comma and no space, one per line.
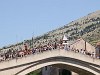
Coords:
80,67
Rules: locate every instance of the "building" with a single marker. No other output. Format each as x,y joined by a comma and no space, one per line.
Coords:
81,44
98,50
49,70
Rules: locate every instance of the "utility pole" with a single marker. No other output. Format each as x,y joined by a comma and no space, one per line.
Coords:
17,39
32,39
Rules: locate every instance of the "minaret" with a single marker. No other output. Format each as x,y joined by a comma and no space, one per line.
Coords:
65,42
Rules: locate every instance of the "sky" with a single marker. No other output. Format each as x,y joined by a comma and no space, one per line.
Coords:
22,19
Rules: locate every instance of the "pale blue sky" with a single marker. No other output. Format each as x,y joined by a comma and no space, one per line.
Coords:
20,18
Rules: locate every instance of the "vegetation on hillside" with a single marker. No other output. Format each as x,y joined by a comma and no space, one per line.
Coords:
37,72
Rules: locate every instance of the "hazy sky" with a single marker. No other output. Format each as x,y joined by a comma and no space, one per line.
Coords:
19,19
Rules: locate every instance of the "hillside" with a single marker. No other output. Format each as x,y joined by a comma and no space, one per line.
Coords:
87,27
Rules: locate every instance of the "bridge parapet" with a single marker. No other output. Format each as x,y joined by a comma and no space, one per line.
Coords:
21,63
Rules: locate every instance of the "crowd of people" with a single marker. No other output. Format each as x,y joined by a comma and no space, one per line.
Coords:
15,54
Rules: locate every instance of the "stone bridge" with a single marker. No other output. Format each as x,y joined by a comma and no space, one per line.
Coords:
76,62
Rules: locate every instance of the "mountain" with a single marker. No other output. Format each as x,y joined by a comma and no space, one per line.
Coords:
87,27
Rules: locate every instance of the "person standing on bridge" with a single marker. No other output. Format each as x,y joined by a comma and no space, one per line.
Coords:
55,45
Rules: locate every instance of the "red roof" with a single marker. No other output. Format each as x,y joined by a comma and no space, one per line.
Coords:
98,44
